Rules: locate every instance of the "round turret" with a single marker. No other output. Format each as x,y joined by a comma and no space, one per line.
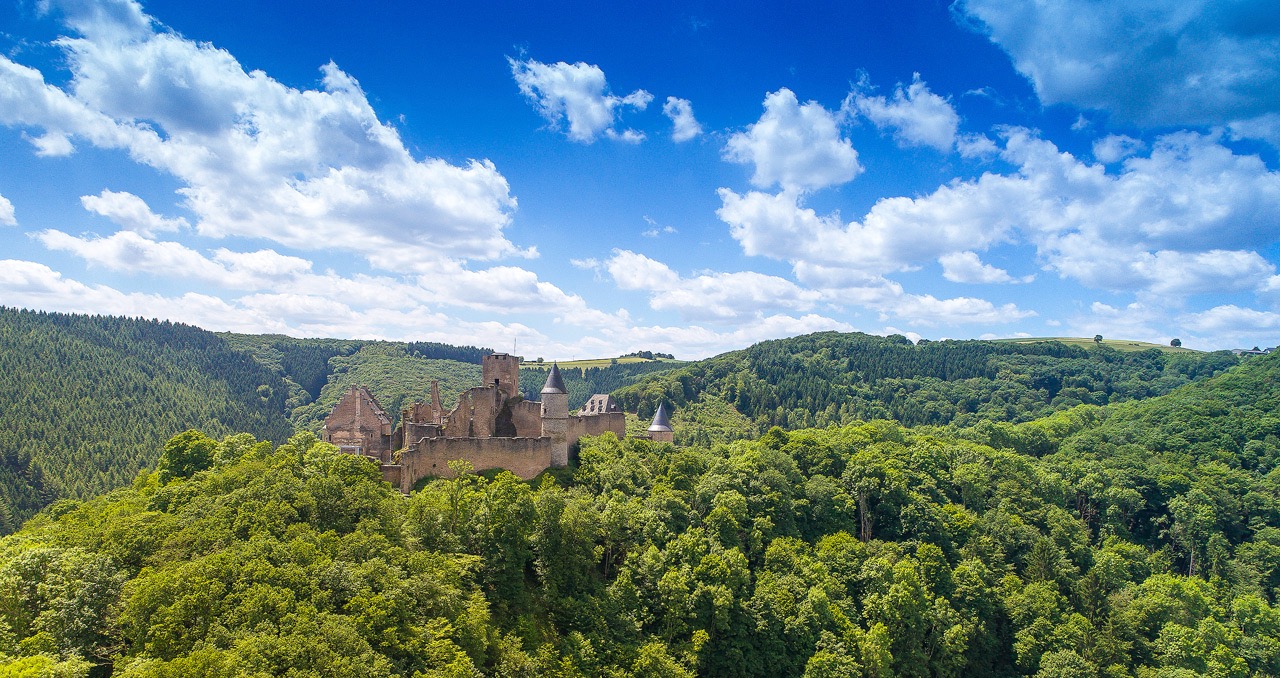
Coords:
555,416
660,430
555,383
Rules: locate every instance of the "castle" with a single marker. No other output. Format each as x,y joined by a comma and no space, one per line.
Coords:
492,426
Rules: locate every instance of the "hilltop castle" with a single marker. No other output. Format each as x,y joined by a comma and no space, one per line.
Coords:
492,426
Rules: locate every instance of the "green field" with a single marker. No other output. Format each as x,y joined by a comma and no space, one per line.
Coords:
595,362
1118,344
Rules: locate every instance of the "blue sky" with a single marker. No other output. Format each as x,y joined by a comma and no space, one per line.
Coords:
690,178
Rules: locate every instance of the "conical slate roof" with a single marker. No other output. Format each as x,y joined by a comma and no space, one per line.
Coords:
555,383
661,420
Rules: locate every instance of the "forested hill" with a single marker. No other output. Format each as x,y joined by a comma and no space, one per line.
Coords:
835,378
318,372
305,363
1137,539
584,382
87,401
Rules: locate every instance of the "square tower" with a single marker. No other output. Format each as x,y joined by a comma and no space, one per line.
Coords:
501,370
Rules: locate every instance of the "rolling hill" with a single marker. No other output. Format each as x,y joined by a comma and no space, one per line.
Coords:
89,400
835,378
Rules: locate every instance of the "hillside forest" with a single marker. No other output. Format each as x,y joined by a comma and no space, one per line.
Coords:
830,378
89,400
1133,539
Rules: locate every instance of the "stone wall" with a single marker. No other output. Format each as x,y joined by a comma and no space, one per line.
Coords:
391,474
594,425
662,436
525,457
527,416
475,413
410,431
423,412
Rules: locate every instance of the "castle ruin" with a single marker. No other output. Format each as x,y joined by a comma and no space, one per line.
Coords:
491,426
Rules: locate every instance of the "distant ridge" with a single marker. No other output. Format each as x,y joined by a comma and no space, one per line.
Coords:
837,378
90,399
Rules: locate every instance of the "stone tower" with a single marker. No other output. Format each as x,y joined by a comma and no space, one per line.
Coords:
503,371
555,416
660,430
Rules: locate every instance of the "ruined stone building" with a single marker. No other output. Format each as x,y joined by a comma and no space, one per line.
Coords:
491,426
359,425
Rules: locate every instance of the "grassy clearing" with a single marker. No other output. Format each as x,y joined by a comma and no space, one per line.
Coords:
1118,344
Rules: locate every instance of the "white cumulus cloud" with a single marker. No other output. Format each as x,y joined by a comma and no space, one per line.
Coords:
1222,326
914,115
1153,62
500,289
796,146
130,212
976,146
1230,319
7,217
709,296
684,125
266,265
1116,147
966,267
132,252
693,341
33,285
578,94
362,308
1165,223
927,310
1265,127
304,168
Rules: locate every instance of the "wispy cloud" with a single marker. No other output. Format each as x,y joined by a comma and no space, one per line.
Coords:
1168,62
655,229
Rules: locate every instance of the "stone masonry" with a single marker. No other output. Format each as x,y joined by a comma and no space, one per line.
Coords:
359,425
492,426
